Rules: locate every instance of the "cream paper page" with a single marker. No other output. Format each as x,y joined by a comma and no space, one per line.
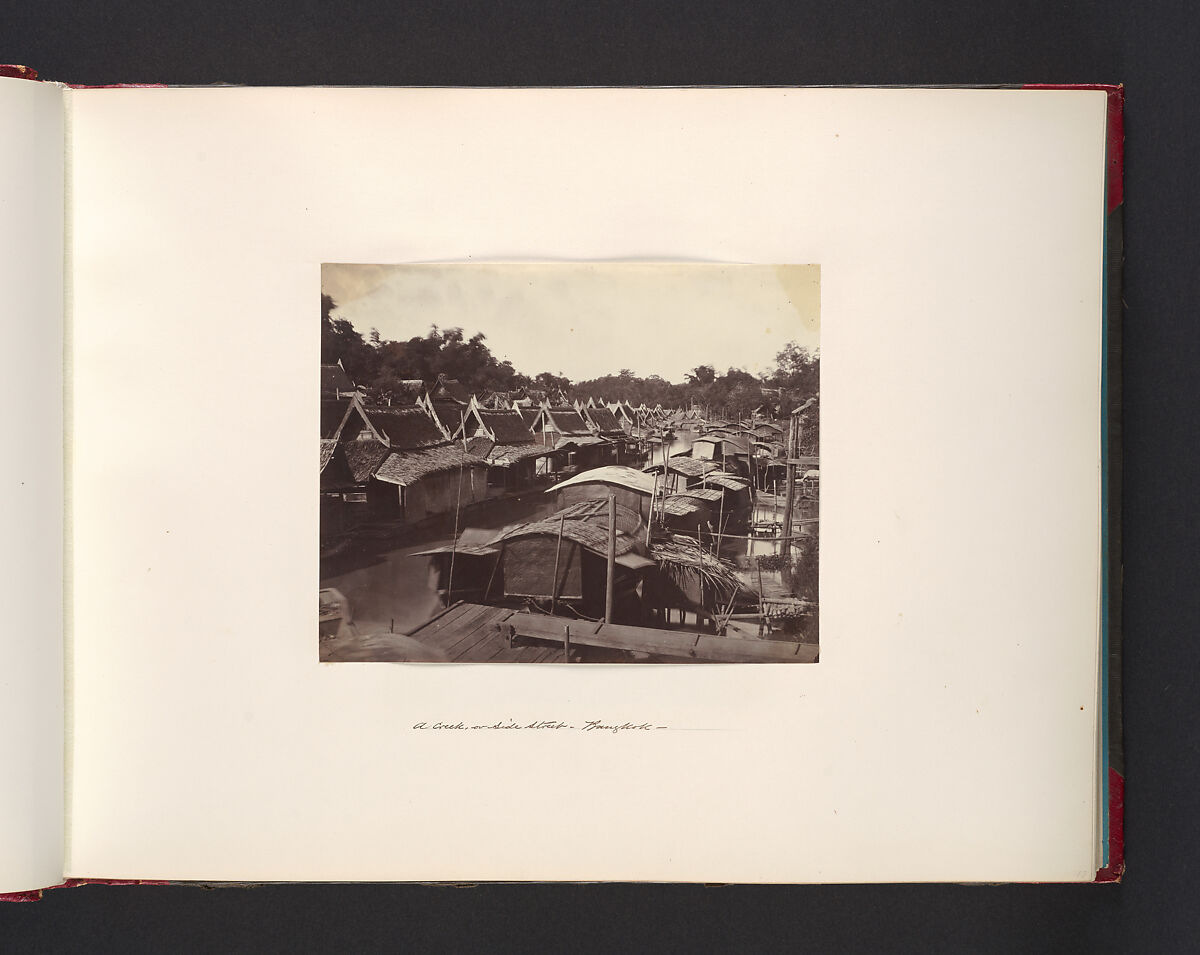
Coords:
31,642
947,732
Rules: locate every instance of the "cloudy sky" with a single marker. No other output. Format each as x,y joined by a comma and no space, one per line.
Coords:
588,320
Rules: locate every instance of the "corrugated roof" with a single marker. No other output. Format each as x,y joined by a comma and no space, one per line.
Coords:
616,474
406,428
408,467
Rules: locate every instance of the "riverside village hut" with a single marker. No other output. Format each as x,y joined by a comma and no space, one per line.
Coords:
423,474
558,564
639,492
576,447
504,441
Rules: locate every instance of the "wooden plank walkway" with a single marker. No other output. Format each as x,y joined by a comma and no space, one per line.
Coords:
675,644
472,633
468,633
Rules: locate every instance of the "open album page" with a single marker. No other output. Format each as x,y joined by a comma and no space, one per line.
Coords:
573,355
31,640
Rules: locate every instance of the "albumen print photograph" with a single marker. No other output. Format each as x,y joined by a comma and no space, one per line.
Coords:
570,463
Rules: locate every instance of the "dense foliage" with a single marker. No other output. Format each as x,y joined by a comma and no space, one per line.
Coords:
382,366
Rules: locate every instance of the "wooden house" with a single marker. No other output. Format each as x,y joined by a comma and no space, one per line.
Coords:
505,442
447,416
731,449
423,474
576,447
638,492
603,423
558,563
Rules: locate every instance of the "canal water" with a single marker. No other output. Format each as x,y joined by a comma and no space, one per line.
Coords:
389,589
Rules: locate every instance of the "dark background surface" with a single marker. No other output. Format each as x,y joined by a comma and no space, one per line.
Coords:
1151,47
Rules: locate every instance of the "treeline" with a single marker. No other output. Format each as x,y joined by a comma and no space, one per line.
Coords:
381,366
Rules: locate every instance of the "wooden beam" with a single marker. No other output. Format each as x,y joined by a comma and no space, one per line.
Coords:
668,643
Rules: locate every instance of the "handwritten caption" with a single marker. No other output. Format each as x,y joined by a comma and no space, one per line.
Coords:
589,726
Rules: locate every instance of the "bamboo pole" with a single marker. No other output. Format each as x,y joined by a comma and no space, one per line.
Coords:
557,552
612,558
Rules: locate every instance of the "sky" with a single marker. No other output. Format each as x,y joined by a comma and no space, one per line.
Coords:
586,320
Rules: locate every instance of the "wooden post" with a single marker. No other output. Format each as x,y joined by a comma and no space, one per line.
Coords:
612,558
762,611
721,521
785,546
567,642
496,566
650,516
557,553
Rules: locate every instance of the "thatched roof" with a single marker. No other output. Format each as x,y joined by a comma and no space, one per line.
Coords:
480,446
726,481
566,421
327,449
585,523
579,441
680,505
503,455
603,421
447,416
529,415
681,559
363,457
703,493
689,467
408,467
505,427
405,428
